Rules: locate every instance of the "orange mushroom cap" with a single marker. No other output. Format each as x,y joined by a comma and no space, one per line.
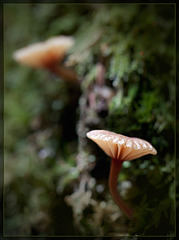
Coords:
118,146
43,54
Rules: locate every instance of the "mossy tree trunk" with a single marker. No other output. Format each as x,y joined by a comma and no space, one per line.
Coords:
124,57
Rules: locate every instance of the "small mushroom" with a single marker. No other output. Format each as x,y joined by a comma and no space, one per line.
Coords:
120,148
49,55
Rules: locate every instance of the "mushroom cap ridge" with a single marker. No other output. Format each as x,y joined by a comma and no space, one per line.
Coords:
121,147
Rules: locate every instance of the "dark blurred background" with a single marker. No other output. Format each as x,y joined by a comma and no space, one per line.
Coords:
55,180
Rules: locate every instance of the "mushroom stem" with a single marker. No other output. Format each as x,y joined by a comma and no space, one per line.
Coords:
68,74
114,172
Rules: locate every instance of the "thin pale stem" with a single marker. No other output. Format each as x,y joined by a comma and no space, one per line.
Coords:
114,172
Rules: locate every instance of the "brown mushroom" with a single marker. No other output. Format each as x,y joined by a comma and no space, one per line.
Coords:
49,55
120,148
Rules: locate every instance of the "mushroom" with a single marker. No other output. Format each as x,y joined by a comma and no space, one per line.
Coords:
49,55
120,148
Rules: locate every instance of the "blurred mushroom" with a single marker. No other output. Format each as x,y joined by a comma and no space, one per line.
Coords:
49,55
120,148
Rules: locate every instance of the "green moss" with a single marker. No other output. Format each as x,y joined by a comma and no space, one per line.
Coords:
135,44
